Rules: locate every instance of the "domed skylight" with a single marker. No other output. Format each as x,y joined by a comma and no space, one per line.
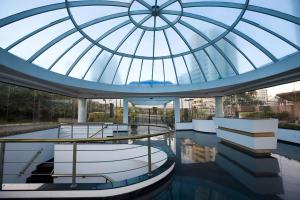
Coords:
150,42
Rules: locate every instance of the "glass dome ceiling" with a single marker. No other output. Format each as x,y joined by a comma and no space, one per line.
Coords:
150,42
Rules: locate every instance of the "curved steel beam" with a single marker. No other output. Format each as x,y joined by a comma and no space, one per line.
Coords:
207,54
35,32
166,4
113,79
135,50
142,63
66,51
232,44
88,69
254,8
271,32
187,69
35,11
170,50
186,43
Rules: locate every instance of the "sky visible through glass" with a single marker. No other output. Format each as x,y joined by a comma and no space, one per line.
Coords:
150,42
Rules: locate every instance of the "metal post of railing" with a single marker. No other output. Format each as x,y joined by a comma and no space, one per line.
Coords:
102,130
72,130
169,136
2,153
117,129
149,152
74,161
88,131
58,131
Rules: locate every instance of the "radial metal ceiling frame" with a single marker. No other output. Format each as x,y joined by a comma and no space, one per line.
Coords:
79,28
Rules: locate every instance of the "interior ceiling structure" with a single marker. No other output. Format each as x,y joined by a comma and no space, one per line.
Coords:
184,46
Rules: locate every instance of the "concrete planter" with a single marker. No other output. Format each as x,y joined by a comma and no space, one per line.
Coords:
257,136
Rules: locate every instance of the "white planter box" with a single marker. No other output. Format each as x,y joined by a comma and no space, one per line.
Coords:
258,136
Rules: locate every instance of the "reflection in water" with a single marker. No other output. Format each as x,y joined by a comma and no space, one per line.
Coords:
191,152
256,173
209,170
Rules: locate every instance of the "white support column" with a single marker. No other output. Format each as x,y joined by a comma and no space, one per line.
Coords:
125,111
82,110
219,107
177,110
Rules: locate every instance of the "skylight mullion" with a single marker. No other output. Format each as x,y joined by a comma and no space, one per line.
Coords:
88,69
171,54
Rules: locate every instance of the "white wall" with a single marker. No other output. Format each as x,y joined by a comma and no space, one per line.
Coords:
23,152
204,126
198,125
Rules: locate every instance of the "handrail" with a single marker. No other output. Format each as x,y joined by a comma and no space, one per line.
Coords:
30,162
84,175
98,131
83,140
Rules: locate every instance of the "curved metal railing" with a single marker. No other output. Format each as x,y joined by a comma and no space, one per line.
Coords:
146,134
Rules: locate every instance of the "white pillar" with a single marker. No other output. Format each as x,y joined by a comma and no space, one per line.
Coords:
82,110
125,111
177,110
219,107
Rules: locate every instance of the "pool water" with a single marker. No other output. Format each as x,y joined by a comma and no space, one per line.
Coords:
208,169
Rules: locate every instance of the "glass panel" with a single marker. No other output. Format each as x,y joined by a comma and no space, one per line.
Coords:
158,72
193,38
161,46
10,7
284,28
238,60
210,30
182,73
98,66
37,41
130,44
193,67
287,6
176,42
113,39
67,60
255,55
146,45
88,13
267,40
133,77
12,32
82,66
49,56
207,66
110,70
221,14
169,72
220,62
96,30
146,75
121,75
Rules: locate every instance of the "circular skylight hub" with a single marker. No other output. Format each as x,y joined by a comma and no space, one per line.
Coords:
162,21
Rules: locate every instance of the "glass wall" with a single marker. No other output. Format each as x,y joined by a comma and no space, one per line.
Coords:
24,105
